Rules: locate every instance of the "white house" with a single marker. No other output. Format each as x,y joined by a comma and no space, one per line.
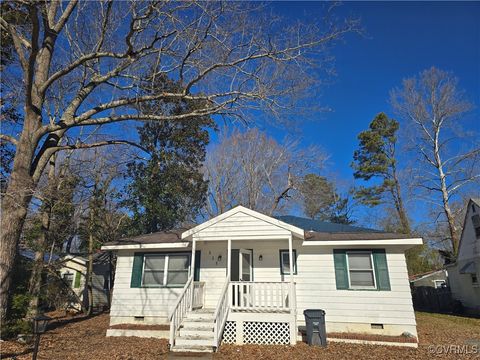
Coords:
464,274
74,271
245,277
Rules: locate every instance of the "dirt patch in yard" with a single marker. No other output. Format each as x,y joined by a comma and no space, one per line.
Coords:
84,338
368,337
440,337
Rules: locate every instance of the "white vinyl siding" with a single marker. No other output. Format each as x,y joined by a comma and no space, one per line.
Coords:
150,302
241,226
315,284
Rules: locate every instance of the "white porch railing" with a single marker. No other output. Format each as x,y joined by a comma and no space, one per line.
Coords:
180,309
198,295
261,296
221,313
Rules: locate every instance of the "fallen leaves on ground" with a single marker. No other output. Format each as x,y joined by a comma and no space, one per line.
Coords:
84,338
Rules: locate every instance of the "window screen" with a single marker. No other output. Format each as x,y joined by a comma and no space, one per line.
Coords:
164,270
360,268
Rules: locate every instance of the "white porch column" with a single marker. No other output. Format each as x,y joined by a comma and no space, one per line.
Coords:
229,257
293,295
192,269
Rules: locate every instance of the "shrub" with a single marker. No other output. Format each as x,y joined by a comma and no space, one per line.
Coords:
16,324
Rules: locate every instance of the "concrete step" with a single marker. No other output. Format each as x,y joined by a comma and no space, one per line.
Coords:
200,315
196,331
192,340
205,311
197,326
198,323
192,349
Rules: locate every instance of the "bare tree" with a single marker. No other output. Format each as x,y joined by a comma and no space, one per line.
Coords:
251,169
447,158
86,64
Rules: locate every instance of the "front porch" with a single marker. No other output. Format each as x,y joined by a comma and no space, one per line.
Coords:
241,309
248,313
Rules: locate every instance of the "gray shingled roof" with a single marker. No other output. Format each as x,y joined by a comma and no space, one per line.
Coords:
324,230
322,226
314,230
170,236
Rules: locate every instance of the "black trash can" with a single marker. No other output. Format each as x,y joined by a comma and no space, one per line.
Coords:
316,332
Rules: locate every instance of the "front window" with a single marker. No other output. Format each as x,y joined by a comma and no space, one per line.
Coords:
285,262
474,279
361,274
165,270
68,278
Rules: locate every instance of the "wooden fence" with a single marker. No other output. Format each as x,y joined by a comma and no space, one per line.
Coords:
426,298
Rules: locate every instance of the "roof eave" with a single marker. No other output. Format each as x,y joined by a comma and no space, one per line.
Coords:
146,246
403,242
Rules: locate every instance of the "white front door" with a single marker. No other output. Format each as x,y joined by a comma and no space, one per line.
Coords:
245,264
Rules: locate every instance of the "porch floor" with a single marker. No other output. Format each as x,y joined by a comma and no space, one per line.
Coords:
236,310
261,310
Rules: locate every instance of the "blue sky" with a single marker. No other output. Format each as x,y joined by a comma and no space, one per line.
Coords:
401,39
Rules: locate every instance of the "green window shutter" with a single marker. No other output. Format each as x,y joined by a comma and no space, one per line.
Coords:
137,268
76,283
381,269
196,270
341,275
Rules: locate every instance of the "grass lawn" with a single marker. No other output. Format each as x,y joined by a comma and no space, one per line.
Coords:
81,338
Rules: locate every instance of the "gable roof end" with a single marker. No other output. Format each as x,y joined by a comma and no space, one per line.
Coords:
241,209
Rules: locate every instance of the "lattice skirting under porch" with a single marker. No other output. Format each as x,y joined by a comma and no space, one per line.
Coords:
256,332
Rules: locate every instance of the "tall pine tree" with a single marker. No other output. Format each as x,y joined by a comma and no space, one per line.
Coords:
168,188
321,200
376,158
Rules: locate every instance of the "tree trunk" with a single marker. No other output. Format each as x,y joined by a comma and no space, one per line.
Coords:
14,211
402,214
88,279
445,195
35,284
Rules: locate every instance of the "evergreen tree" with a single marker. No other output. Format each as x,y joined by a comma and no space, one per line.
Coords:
376,158
168,188
321,200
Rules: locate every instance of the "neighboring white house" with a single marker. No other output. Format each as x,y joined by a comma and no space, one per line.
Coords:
437,279
464,274
245,277
74,271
